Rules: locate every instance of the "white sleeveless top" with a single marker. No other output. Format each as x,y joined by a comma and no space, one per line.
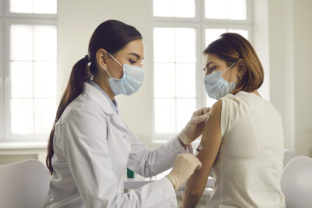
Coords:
249,164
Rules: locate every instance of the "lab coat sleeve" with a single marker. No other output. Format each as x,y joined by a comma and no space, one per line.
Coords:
147,162
85,150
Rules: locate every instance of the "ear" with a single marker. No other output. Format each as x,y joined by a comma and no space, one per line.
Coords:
102,58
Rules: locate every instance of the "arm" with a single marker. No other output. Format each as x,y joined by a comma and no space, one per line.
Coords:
86,152
211,141
147,162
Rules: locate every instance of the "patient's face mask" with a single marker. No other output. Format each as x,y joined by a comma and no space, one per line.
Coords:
130,82
216,86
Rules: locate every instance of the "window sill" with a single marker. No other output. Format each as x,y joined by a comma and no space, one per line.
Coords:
23,145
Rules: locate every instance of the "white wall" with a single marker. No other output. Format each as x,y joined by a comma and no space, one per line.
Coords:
289,31
281,37
281,64
302,24
77,21
261,42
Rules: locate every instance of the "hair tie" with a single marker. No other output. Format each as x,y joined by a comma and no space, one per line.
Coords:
87,58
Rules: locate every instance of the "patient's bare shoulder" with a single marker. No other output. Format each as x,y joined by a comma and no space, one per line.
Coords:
216,108
212,127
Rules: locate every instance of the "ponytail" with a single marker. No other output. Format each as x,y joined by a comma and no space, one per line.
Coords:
79,74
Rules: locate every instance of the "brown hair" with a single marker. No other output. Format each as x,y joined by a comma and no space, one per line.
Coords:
111,35
233,48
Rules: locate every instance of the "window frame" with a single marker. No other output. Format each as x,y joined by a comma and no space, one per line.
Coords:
2,70
200,23
9,19
1,8
9,14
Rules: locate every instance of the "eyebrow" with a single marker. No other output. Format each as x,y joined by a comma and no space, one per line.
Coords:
136,55
209,63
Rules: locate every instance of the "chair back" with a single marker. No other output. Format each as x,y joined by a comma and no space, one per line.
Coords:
296,182
23,184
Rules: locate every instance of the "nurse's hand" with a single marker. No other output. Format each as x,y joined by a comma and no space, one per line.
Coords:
184,166
195,126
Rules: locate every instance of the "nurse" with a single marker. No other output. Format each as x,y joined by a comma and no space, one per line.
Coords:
90,145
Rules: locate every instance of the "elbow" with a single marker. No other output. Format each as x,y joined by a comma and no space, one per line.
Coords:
146,172
191,198
195,194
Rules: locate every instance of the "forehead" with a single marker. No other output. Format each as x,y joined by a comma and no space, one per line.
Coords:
135,46
213,58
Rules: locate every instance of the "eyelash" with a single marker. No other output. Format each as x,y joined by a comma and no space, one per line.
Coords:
131,61
211,69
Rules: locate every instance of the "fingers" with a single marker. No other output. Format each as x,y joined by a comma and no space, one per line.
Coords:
198,164
201,118
184,166
192,160
201,111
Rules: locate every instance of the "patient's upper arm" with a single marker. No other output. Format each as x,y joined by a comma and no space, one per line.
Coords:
211,141
211,136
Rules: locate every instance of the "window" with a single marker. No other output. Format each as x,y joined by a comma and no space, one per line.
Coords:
29,69
172,69
181,30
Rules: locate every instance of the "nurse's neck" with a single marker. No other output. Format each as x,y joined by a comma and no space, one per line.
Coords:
102,81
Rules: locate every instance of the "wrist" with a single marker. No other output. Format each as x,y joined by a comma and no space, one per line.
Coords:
182,144
184,139
173,180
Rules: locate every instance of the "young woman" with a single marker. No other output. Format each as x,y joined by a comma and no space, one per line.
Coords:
243,139
90,145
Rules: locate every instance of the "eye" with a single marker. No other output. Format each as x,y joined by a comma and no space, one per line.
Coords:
211,69
132,61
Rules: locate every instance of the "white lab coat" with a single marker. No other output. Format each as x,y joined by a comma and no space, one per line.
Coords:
93,148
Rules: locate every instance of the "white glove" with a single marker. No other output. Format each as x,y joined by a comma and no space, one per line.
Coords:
184,166
195,126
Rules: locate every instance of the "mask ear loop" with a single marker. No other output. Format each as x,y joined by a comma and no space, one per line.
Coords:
115,61
230,67
105,69
108,73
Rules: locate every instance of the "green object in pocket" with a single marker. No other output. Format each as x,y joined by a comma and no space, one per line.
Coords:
130,173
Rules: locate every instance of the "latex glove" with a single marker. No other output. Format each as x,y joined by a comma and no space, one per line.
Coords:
195,126
184,166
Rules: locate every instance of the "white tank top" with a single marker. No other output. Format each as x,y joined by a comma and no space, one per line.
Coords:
249,164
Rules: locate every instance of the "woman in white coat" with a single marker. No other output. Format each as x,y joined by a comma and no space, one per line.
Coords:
90,145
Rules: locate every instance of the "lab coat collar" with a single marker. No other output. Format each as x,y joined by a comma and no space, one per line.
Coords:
96,95
113,102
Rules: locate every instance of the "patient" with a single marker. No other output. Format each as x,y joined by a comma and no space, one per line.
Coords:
242,141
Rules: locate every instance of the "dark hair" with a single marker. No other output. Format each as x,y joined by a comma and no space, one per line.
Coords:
111,35
233,48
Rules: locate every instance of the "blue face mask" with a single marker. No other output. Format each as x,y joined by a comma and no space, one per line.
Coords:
216,86
130,82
